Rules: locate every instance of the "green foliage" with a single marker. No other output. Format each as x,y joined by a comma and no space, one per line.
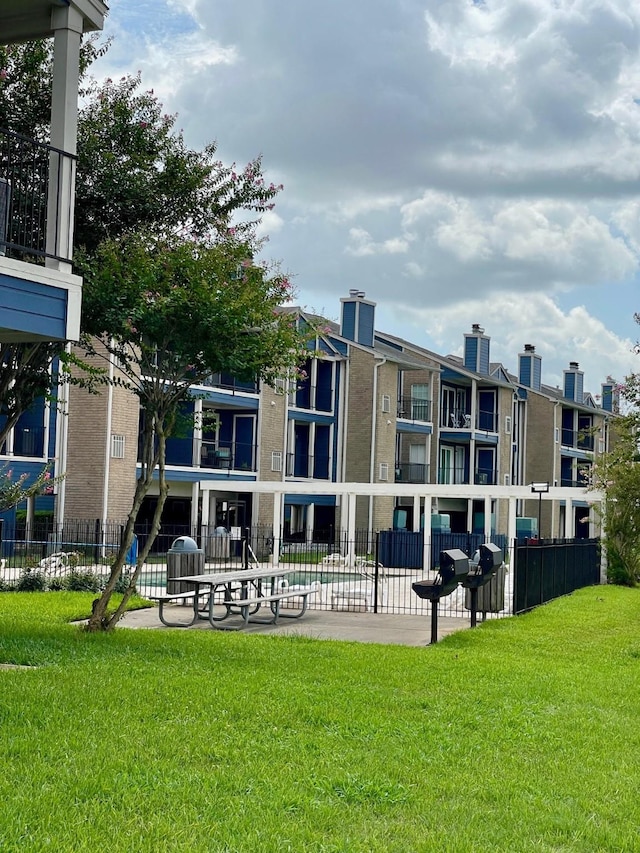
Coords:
82,581
617,474
31,581
15,490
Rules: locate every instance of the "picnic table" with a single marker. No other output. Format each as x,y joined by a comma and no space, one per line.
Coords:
244,593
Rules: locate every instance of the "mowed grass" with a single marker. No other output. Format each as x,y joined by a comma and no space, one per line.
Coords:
522,735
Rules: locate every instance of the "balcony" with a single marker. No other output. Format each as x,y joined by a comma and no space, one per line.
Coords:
228,456
27,441
312,397
230,383
412,472
448,476
456,419
577,440
307,467
485,477
31,198
412,409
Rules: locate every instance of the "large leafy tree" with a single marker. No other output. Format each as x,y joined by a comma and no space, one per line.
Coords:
617,474
134,171
171,311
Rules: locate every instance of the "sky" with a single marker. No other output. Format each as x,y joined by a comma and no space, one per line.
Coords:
459,161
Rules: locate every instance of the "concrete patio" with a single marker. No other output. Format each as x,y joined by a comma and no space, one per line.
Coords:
360,627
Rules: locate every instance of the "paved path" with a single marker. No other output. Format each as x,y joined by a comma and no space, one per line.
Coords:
393,629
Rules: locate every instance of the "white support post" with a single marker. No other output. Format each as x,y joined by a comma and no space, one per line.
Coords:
416,513
351,528
426,535
511,527
487,519
67,24
278,498
569,526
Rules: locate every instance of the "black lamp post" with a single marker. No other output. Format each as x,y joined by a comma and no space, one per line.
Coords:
539,489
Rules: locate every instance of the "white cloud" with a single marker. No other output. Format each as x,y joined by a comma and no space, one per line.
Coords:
450,157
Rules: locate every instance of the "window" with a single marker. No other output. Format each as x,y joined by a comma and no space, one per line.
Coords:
280,385
276,460
117,446
386,403
384,471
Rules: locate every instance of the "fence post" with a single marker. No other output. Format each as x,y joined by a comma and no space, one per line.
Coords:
375,573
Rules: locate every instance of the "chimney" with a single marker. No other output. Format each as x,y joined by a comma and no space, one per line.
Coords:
357,321
476,350
574,383
530,368
610,397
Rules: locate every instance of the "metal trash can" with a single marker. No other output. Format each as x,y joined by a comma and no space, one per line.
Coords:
491,595
183,558
218,544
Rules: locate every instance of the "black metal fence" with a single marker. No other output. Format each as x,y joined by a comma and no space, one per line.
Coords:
365,572
547,569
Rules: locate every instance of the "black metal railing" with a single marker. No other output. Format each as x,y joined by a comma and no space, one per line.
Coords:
447,476
485,477
412,472
230,383
412,409
577,439
307,466
32,190
456,419
28,441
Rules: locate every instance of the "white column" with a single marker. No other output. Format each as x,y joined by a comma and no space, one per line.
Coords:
569,526
67,24
351,528
278,498
511,526
309,522
487,519
416,513
426,534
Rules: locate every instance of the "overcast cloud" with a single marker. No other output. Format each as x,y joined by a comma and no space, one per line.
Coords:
459,161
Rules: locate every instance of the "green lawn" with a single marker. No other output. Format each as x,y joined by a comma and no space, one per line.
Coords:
522,735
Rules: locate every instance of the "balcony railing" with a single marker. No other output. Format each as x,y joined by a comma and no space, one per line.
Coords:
412,472
411,409
456,419
577,439
315,397
487,421
230,383
31,193
27,441
485,477
447,476
307,467
217,455
228,456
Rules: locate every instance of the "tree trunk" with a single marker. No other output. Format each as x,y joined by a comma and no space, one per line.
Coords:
100,619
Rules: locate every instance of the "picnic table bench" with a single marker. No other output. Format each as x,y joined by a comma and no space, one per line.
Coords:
240,593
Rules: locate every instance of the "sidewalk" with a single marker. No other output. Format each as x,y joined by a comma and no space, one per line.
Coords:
385,628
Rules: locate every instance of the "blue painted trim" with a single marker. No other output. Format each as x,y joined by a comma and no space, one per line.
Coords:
32,307
305,416
422,429
250,403
307,500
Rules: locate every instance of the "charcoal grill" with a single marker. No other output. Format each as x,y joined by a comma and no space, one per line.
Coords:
454,567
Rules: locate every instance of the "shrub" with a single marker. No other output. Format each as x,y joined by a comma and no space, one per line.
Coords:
31,581
87,581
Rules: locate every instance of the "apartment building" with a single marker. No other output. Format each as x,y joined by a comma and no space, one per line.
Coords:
366,407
